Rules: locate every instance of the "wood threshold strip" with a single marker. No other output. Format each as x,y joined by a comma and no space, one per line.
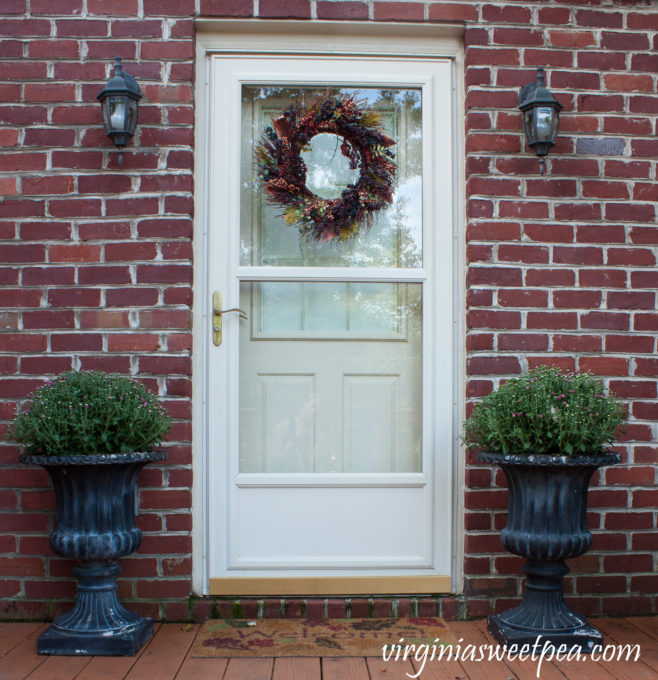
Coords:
325,586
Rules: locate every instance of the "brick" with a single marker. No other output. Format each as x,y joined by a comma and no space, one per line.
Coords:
631,300
25,27
488,56
73,297
508,276
550,277
45,366
108,231
522,298
449,11
74,253
493,231
22,252
571,39
600,233
39,276
397,11
577,299
131,206
634,257
604,189
165,318
644,147
228,8
552,320
626,40
548,58
493,319
46,319
293,9
104,184
627,82
616,321
523,209
18,297
577,255
604,365
599,19
132,297
605,278
104,275
493,186
165,365
576,343
118,7
506,14
625,344
603,146
522,342
554,188
70,342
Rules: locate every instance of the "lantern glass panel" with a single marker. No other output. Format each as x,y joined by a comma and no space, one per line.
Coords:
545,123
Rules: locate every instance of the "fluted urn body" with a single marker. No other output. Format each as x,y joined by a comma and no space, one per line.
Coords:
96,524
546,524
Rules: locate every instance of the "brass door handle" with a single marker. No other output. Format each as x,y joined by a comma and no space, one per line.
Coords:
217,312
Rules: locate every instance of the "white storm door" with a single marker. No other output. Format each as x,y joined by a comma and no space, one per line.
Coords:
330,407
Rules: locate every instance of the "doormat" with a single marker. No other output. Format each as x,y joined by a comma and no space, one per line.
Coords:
316,637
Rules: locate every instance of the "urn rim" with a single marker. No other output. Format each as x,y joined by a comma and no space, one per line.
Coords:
94,458
550,459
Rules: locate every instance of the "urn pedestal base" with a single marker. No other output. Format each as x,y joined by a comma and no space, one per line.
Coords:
71,643
586,637
543,612
98,624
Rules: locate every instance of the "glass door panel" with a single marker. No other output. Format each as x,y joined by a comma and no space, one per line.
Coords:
395,239
330,377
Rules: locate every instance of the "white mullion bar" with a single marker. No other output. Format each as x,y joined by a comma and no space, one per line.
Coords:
359,274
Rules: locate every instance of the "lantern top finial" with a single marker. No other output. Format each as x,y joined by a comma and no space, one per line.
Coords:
120,83
537,94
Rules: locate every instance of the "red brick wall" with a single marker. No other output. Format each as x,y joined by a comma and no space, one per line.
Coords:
96,265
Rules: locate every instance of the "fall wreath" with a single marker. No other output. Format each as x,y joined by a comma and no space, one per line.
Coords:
282,170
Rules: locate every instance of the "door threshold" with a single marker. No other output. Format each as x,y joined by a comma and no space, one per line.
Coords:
330,585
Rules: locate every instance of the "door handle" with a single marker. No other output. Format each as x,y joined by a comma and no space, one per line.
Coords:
217,312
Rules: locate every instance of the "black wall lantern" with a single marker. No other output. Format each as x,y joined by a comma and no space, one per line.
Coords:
119,103
541,115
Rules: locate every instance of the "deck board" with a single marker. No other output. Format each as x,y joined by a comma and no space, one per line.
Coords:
299,668
167,656
165,653
22,659
249,669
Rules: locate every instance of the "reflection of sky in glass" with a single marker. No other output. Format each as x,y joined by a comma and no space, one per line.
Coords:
327,170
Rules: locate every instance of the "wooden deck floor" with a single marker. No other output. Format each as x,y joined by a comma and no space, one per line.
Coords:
166,657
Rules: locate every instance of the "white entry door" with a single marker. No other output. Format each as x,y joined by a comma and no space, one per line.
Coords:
330,406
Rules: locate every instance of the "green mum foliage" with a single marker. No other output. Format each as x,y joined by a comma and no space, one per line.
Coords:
546,411
90,412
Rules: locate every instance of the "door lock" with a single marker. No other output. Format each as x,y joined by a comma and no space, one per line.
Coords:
217,312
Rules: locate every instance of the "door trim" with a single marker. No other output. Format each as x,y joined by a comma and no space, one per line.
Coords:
336,38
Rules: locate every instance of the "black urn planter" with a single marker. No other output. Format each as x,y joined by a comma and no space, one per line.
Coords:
546,524
95,512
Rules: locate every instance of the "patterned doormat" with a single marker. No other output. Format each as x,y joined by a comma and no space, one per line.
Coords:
321,637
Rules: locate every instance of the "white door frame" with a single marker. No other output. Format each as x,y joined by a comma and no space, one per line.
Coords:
331,38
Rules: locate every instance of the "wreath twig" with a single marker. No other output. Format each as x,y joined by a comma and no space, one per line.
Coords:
282,170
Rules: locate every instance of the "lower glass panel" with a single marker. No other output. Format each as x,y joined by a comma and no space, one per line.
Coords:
331,377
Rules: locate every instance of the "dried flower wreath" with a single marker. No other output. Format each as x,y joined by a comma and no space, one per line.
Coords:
282,170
